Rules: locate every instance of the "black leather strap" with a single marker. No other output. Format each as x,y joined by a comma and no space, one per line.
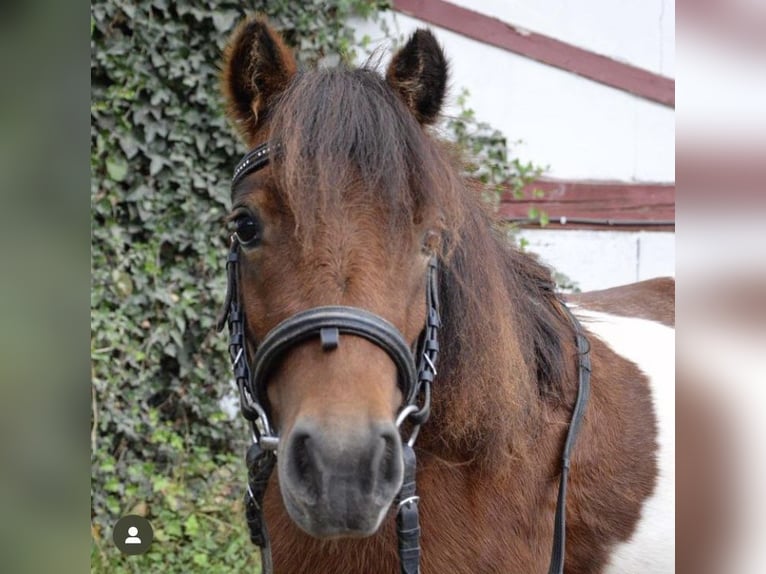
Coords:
346,320
255,159
558,551
260,463
428,345
407,520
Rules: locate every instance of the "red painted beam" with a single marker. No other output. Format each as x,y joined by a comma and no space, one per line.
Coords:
542,48
642,205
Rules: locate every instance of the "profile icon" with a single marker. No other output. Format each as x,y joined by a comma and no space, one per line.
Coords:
133,534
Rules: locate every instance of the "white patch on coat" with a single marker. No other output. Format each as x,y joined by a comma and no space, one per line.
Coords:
651,346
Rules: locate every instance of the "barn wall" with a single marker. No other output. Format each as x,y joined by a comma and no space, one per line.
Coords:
581,129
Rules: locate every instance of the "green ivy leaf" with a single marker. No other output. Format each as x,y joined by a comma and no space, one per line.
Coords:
122,282
224,21
117,169
156,165
191,526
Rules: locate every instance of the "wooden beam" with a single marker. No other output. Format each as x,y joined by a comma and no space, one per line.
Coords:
541,48
597,204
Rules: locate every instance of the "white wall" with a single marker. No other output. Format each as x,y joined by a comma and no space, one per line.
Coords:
601,259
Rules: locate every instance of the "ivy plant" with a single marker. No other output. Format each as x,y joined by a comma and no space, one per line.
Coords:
489,159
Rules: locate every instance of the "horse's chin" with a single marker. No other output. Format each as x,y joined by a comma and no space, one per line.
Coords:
336,519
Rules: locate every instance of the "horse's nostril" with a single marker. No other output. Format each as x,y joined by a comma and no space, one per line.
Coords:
389,468
302,466
301,457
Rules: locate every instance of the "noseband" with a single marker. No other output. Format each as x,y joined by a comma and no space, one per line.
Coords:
415,374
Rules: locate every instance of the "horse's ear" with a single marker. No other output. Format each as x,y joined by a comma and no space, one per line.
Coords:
418,73
257,67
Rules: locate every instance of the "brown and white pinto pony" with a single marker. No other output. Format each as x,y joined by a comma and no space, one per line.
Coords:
347,214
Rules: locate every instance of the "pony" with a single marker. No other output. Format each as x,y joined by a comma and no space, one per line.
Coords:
359,198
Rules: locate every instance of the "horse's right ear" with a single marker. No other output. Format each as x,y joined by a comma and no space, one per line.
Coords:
257,67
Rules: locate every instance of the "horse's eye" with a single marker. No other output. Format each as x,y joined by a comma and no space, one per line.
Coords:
247,229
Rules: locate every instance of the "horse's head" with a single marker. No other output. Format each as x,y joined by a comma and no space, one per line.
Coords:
344,214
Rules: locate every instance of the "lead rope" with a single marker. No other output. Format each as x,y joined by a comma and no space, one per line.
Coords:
583,391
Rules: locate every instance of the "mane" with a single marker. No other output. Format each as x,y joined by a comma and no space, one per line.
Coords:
502,346
506,345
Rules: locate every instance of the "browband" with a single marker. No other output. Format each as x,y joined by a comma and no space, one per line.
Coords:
254,160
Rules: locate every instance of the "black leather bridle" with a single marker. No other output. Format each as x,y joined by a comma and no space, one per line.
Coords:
416,371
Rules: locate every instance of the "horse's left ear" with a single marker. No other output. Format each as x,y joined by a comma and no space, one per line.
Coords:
418,73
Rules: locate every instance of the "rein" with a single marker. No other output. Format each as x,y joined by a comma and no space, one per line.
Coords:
416,371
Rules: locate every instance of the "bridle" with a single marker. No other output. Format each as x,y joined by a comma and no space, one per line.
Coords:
416,370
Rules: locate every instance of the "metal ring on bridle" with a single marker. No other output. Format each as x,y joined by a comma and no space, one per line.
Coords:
404,413
263,419
407,501
402,416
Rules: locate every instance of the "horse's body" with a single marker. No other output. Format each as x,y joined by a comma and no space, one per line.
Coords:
359,190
